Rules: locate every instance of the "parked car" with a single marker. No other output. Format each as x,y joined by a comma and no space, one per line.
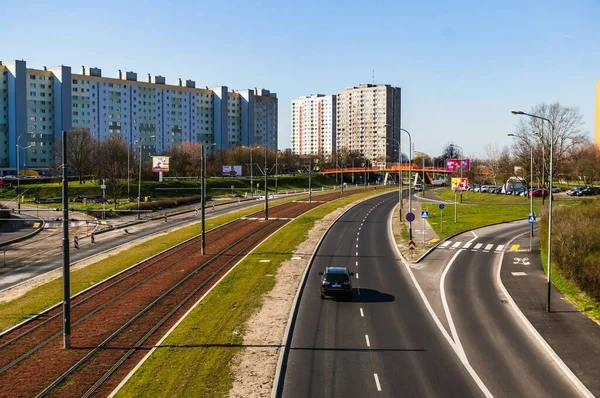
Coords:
573,191
499,189
336,282
484,188
477,188
587,191
518,191
509,191
555,189
418,187
538,193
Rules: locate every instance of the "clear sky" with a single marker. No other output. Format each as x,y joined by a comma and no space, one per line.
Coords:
461,66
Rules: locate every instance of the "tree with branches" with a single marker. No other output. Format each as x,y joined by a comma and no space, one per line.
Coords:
535,133
111,164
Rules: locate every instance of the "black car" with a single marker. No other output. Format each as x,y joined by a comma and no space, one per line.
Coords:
336,282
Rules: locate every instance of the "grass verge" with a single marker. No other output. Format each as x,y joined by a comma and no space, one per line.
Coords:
581,300
206,342
48,294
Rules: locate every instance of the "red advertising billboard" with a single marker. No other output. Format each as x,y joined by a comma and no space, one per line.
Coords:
453,165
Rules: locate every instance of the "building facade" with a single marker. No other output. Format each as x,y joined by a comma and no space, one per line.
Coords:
597,116
314,125
37,104
367,116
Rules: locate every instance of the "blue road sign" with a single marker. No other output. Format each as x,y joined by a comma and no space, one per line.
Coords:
441,206
531,219
410,217
425,214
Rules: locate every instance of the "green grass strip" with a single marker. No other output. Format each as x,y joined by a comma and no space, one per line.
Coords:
48,294
196,359
569,289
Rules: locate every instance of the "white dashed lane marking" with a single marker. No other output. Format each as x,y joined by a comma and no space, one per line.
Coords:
362,314
377,382
367,339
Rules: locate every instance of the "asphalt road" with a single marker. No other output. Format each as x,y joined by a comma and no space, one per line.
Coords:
502,351
384,342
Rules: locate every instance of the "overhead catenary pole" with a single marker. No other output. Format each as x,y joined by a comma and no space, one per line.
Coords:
266,187
203,199
65,248
309,179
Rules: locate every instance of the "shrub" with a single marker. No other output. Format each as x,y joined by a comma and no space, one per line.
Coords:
576,244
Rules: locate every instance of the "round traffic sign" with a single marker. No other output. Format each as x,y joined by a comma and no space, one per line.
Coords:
442,206
410,217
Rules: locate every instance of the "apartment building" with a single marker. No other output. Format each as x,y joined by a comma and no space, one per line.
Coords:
37,104
366,116
314,125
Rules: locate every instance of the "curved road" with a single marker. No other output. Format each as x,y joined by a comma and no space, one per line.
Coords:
384,341
388,342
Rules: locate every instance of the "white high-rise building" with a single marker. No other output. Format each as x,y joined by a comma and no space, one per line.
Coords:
362,115
37,104
314,125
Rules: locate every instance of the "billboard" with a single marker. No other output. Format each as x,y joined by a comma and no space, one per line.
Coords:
460,184
453,165
160,163
232,171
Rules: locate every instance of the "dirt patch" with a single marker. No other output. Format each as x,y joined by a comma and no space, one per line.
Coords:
254,368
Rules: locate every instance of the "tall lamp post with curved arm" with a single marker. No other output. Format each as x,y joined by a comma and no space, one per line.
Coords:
140,173
409,169
19,148
517,112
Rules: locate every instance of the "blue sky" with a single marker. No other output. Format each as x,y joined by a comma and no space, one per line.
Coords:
462,66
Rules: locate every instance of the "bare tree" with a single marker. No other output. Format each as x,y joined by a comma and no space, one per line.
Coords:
450,152
535,133
111,164
584,162
81,151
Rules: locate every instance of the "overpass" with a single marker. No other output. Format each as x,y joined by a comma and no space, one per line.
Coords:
393,169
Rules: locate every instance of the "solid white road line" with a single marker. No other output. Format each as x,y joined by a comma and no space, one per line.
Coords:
478,246
456,245
447,308
533,331
499,248
433,315
362,314
367,339
377,382
356,275
446,243
488,247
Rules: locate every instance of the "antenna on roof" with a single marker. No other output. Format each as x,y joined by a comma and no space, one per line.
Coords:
373,76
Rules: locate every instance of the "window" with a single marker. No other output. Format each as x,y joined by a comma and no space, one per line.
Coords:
31,77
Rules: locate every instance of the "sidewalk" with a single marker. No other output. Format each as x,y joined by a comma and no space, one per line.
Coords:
573,336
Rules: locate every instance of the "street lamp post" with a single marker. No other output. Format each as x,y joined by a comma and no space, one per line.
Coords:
128,172
409,171
530,185
203,197
251,175
266,186
19,148
140,174
399,182
516,112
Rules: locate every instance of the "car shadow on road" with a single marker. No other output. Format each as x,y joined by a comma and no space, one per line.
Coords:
362,295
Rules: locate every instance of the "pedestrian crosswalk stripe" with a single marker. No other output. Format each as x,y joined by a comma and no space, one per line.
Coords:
514,248
477,246
467,245
446,243
488,247
457,244
499,248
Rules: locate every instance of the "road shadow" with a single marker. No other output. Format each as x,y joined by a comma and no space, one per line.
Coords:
362,295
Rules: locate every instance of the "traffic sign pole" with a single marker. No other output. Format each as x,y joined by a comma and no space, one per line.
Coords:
441,206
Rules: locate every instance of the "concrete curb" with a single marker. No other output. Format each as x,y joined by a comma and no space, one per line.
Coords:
24,237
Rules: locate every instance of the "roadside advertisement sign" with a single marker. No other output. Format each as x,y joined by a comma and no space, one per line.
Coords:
453,165
232,170
460,184
160,164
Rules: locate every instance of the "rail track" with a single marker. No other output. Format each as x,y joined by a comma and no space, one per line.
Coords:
116,321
